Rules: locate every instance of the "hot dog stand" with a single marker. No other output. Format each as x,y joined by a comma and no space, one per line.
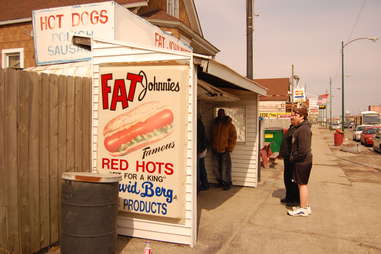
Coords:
145,100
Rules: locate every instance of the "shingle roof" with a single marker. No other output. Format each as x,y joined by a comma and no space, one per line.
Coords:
277,89
19,9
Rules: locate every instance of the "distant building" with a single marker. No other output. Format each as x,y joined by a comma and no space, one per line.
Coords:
277,95
376,108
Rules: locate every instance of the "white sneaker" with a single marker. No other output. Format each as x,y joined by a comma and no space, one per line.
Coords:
299,212
309,210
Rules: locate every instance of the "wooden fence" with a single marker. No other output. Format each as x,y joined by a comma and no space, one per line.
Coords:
45,126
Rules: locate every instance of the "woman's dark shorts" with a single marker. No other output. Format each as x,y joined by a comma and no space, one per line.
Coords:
302,171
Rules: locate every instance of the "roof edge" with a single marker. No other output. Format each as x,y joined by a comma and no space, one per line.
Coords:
224,72
15,21
191,10
137,4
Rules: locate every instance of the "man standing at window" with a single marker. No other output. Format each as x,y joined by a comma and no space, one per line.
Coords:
224,138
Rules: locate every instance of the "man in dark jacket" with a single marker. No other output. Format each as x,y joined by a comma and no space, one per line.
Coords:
292,191
301,157
224,138
202,144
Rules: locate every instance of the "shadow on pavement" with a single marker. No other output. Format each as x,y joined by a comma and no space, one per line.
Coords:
279,193
122,242
212,199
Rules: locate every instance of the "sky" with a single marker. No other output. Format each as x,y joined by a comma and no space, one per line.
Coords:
307,34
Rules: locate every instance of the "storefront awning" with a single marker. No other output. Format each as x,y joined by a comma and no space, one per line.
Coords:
218,73
207,92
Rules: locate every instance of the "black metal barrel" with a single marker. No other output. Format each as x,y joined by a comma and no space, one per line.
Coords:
88,215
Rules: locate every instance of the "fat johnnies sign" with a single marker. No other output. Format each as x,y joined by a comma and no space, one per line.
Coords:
141,136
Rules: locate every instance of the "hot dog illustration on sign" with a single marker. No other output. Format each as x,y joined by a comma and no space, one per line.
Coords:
144,125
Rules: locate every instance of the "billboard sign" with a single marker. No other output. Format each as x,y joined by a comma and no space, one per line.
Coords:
142,135
313,105
274,115
323,98
53,30
299,95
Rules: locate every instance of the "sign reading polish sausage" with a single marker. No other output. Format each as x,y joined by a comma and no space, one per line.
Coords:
141,135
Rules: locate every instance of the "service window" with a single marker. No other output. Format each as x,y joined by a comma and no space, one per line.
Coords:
12,58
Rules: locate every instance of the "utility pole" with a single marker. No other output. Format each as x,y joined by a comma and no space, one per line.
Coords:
326,110
292,84
330,101
249,39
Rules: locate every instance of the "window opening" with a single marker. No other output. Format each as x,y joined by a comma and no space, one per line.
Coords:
12,58
173,8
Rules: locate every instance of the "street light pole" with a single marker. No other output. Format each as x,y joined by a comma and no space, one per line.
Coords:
342,85
249,39
292,85
330,101
343,45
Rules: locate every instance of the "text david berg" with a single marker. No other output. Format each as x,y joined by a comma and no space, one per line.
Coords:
147,190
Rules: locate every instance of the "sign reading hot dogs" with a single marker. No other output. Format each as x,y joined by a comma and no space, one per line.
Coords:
141,135
54,28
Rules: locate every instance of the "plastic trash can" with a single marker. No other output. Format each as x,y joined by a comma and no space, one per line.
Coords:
274,136
338,137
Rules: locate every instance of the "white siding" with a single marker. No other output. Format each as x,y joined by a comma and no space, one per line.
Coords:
155,228
245,154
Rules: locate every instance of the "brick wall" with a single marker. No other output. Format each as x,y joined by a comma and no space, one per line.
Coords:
19,36
153,5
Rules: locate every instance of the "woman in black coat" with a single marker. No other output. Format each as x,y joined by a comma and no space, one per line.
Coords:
292,191
301,157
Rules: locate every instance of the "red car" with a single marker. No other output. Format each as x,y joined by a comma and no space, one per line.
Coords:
368,134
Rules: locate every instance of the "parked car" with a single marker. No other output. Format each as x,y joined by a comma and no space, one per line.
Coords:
357,131
368,134
334,126
348,125
377,141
